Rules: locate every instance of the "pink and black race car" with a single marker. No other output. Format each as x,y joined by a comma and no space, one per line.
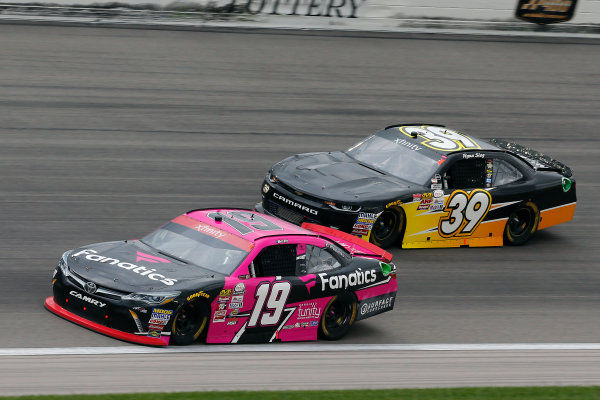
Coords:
225,276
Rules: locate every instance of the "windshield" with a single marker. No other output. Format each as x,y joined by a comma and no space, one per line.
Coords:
194,247
396,157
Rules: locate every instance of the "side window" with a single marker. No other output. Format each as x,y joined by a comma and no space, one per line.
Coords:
466,174
504,172
318,260
276,260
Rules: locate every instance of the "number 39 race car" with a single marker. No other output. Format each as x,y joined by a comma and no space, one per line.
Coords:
424,186
225,276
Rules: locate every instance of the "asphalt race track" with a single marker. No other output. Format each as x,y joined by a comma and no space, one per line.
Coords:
107,133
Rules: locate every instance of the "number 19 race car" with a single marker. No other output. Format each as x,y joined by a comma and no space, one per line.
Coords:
225,276
424,186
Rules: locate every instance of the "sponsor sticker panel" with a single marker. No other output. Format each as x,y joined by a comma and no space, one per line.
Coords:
158,319
375,305
364,223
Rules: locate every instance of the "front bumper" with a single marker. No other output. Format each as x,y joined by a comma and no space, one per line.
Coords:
283,203
105,330
107,313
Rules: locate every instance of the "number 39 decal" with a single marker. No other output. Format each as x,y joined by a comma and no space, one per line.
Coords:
465,212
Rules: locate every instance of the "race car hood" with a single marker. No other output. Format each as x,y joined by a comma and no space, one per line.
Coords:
336,176
130,266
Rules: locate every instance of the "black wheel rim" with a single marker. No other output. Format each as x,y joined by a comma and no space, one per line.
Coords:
520,221
385,225
188,321
338,315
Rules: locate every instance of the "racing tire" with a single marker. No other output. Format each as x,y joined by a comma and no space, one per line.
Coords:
388,227
190,322
338,317
522,224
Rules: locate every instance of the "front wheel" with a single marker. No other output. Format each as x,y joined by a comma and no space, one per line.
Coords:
189,323
387,228
522,224
338,317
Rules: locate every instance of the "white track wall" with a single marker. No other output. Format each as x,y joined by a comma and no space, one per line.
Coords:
587,11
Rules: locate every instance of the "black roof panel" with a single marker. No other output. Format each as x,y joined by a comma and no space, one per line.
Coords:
434,138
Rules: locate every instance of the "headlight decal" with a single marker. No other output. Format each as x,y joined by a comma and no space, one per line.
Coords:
62,263
137,321
272,178
152,298
343,207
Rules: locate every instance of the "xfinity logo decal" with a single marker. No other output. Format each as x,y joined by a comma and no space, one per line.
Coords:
294,204
309,310
209,230
80,296
355,278
408,144
150,273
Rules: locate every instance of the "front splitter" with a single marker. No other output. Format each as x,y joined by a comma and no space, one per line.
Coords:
51,305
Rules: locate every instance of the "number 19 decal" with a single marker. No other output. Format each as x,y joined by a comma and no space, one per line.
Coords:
466,211
275,296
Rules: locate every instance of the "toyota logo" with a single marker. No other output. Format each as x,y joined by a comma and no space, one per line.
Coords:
90,287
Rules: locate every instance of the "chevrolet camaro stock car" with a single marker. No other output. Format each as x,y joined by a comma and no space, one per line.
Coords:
225,276
424,186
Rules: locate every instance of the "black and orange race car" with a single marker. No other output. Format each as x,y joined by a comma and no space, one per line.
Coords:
424,186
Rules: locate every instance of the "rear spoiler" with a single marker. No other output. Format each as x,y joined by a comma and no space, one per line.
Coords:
354,244
537,160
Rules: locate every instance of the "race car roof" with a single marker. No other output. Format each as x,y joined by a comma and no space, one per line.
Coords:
433,140
244,224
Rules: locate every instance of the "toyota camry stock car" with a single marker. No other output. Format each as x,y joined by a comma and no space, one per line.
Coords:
424,186
225,276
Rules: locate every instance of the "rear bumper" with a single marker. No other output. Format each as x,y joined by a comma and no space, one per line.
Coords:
556,215
51,305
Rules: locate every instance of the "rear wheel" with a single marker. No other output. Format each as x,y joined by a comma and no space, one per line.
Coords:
338,317
388,227
522,224
190,323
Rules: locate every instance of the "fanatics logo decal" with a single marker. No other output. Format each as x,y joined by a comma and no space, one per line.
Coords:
150,273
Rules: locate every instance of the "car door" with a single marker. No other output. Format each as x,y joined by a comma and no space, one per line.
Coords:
467,198
451,211
276,302
477,187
